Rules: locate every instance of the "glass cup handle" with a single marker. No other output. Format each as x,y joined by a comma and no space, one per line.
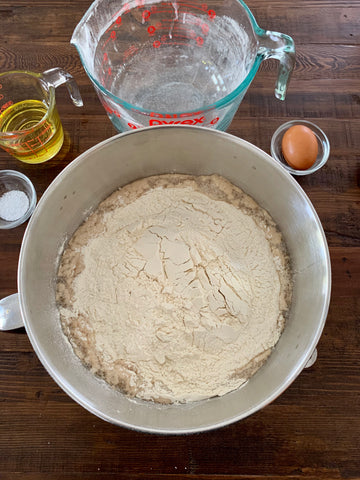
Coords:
282,47
58,76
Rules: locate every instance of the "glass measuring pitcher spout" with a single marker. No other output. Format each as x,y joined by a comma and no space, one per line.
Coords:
189,62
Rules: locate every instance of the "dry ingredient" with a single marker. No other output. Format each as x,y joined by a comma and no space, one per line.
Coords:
13,205
175,289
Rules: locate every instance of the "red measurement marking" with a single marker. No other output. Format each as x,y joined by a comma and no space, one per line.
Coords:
109,71
6,105
172,40
214,120
130,52
211,14
156,44
186,44
191,114
175,115
182,37
151,30
205,28
34,143
168,20
110,110
189,32
105,57
107,41
116,23
113,35
189,7
133,126
182,28
146,15
165,10
199,41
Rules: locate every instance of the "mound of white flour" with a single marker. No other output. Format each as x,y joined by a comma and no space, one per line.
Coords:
175,289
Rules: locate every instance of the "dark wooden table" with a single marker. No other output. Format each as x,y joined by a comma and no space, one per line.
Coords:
312,430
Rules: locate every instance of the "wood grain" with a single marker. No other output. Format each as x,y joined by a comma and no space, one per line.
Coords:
312,431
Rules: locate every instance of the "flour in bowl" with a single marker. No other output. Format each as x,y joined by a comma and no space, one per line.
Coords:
176,288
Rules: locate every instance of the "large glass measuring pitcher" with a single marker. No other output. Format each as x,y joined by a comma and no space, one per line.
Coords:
184,62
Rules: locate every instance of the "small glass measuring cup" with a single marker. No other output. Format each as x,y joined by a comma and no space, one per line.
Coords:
186,62
30,126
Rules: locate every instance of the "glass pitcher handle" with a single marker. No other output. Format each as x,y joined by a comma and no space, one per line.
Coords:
58,76
282,47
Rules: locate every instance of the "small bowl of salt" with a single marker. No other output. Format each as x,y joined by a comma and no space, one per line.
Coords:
17,198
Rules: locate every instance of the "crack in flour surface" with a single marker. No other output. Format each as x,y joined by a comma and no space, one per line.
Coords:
176,288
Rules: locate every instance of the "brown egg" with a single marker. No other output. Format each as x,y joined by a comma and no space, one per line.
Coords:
299,147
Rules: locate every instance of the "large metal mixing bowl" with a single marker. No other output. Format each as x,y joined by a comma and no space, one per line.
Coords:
120,160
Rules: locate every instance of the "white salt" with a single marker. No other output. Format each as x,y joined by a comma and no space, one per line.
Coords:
13,205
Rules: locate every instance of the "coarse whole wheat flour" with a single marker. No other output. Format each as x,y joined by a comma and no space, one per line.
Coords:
176,288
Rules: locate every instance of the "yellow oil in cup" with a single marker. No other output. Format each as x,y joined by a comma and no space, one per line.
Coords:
40,136
30,126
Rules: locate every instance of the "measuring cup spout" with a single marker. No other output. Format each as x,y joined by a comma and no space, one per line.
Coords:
58,76
88,31
282,47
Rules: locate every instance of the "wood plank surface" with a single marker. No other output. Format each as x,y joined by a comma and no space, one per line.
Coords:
312,431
